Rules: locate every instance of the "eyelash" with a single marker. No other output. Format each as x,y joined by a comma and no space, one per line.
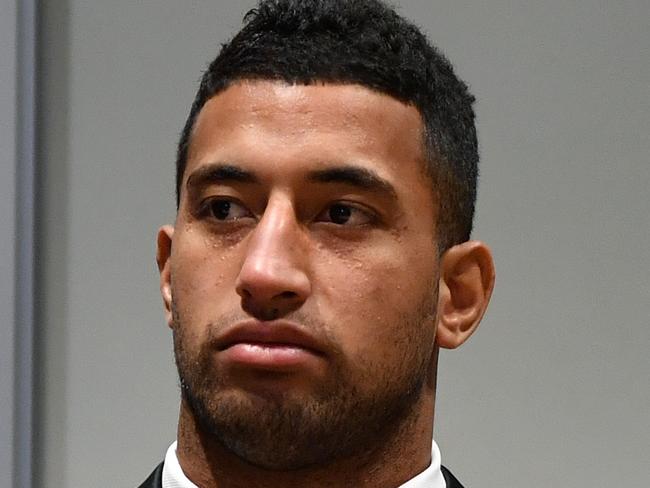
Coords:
368,216
206,209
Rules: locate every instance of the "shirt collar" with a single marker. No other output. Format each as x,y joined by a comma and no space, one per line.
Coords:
173,476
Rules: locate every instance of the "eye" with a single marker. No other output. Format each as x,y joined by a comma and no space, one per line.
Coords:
345,214
225,210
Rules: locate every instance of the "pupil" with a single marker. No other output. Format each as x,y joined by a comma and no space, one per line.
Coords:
340,214
221,209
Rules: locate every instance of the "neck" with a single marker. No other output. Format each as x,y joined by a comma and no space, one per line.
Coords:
405,453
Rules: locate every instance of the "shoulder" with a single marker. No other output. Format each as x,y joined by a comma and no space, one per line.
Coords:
155,478
450,479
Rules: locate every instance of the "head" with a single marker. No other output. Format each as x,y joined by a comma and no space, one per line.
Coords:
366,43
326,179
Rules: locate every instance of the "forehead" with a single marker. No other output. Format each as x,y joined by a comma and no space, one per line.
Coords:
343,117
315,105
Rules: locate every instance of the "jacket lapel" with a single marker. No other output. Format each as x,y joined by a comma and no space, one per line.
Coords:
451,481
155,479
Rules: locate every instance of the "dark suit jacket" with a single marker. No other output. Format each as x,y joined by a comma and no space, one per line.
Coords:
155,479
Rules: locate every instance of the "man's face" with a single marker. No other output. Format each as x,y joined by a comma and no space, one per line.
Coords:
303,270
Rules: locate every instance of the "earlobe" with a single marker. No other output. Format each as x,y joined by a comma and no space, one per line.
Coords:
163,258
466,283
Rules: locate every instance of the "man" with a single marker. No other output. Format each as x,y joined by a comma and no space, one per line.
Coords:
326,180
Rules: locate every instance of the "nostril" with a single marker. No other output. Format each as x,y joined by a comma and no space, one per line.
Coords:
288,294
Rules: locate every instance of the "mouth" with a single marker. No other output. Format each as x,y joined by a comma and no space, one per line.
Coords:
275,345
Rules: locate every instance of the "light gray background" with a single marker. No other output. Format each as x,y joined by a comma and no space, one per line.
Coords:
554,388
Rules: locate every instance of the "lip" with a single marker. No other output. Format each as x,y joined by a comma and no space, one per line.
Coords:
274,345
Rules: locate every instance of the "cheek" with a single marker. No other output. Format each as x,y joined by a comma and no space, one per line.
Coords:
379,301
202,279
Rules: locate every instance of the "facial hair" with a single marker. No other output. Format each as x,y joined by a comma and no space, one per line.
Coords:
356,406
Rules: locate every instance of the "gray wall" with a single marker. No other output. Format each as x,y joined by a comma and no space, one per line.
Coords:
17,139
8,152
553,390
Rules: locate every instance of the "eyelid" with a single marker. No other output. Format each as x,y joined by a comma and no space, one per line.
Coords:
370,216
205,211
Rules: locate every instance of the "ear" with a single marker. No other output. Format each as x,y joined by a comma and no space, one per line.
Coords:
466,283
163,258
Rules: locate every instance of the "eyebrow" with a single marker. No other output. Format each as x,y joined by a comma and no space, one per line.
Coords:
355,176
362,178
219,173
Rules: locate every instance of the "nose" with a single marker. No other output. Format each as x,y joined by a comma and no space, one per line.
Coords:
273,280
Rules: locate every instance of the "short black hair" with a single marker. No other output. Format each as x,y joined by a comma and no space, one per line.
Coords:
361,42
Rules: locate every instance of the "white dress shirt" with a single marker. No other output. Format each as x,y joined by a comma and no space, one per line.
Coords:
173,476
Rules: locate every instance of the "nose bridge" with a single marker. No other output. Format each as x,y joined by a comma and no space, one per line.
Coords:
274,241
